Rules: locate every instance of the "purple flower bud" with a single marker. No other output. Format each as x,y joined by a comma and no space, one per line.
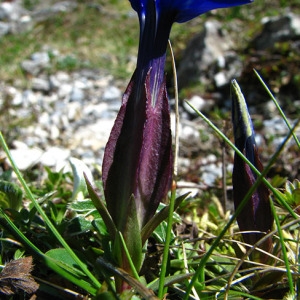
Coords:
138,155
256,215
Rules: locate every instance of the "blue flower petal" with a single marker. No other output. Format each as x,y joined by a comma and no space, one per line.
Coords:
185,10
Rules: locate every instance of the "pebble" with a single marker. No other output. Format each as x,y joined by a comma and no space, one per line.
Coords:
4,29
111,93
40,84
26,158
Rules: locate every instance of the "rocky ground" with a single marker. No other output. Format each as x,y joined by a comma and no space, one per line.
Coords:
70,114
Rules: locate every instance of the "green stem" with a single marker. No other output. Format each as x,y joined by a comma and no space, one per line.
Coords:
161,289
283,248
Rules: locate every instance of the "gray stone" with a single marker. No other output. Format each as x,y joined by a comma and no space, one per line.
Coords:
30,67
23,24
11,11
74,111
210,172
277,29
64,6
30,98
41,58
4,28
65,90
49,11
40,84
111,93
77,94
198,103
204,51
38,62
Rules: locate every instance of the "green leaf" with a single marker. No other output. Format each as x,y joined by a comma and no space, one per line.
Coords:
160,232
79,225
170,280
64,260
132,238
100,226
110,225
10,195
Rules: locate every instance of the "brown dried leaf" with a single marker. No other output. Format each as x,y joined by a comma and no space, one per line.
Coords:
16,276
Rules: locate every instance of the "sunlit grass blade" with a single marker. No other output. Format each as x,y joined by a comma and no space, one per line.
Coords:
278,107
283,249
48,223
163,269
165,258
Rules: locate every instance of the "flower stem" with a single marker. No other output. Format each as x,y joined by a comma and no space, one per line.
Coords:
161,289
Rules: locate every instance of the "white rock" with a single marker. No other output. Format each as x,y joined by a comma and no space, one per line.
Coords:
54,132
31,67
65,90
111,93
4,28
41,58
55,157
220,79
62,77
210,173
188,132
26,158
29,98
77,94
188,187
74,111
198,103
40,84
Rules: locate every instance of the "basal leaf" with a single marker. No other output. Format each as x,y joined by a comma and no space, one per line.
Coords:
65,261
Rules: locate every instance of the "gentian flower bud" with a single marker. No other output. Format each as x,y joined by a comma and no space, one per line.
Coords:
137,165
256,215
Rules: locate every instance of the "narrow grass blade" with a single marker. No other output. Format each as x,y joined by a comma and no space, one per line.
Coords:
283,249
165,258
278,107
